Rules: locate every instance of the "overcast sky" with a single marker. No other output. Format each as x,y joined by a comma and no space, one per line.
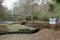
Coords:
9,3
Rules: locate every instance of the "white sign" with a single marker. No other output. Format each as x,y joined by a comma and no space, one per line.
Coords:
52,20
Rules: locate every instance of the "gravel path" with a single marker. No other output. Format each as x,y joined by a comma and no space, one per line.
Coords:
45,34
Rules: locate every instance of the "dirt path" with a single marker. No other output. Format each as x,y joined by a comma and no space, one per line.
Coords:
45,34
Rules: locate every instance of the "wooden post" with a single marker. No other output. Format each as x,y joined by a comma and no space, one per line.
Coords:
53,29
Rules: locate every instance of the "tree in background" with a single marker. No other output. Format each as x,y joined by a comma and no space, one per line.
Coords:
57,9
24,8
6,14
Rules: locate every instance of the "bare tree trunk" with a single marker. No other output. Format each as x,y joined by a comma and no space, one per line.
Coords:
32,19
13,16
30,11
42,10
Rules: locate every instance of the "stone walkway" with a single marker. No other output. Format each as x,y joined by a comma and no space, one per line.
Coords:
45,34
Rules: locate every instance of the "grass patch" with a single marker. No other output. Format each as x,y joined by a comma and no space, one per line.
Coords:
17,26
38,22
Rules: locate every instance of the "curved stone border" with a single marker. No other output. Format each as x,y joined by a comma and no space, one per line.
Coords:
22,32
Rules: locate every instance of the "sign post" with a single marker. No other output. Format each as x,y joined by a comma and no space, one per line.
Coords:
52,22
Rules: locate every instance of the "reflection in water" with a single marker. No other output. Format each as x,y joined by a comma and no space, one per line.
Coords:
5,22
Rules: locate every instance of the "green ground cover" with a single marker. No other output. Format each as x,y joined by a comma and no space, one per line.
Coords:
17,26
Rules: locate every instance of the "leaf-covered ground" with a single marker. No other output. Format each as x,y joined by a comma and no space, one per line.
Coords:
45,34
